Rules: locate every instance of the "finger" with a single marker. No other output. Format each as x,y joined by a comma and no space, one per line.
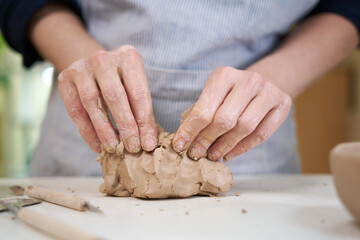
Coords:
217,87
106,73
246,124
137,89
91,100
265,129
225,119
77,112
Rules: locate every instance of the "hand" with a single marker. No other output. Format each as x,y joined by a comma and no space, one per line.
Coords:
118,78
236,111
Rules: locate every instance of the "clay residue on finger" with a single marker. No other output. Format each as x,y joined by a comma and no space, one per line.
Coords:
17,190
101,106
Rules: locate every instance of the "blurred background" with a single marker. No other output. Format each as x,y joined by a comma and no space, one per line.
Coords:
23,99
326,114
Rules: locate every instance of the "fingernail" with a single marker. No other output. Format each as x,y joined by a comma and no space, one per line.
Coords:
133,144
228,156
196,151
179,145
111,146
214,155
149,142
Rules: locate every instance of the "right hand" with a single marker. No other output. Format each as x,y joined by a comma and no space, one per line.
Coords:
118,78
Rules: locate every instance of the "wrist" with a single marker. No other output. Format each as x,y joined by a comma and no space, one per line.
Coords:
273,69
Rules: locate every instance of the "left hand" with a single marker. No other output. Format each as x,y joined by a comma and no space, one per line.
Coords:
236,111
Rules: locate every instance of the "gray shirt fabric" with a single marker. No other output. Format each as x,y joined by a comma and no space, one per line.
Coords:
181,42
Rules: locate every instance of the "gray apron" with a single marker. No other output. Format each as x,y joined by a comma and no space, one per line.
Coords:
181,42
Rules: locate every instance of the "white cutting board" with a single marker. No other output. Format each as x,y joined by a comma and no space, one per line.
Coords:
269,207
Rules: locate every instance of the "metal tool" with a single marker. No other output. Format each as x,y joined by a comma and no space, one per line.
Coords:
19,202
7,193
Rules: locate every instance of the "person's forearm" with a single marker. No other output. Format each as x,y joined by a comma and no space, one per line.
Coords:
319,44
90,78
60,37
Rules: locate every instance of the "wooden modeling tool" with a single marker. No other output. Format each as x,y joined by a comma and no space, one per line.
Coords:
62,199
47,224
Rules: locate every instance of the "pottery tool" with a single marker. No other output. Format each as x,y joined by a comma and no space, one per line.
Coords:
62,199
12,195
19,202
47,224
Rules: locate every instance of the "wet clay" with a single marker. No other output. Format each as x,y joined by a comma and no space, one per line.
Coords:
162,173
345,167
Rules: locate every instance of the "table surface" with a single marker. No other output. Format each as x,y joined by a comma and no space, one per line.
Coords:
268,207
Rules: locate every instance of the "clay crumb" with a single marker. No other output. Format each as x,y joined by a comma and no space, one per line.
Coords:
70,190
30,187
13,218
243,211
97,206
237,194
325,184
323,221
218,200
186,213
137,204
17,190
141,214
161,210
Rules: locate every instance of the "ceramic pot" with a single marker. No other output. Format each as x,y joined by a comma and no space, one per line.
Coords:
345,167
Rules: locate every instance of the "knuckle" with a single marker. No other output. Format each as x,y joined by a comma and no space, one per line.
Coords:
76,112
225,144
262,136
101,128
89,97
256,77
247,126
225,72
139,94
244,147
225,122
205,117
130,53
113,95
256,80
202,115
62,77
100,58
79,66
127,128
128,49
144,123
287,102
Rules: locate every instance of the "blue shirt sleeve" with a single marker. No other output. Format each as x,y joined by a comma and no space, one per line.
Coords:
15,17
349,9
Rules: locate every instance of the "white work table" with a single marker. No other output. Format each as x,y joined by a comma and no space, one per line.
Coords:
269,207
